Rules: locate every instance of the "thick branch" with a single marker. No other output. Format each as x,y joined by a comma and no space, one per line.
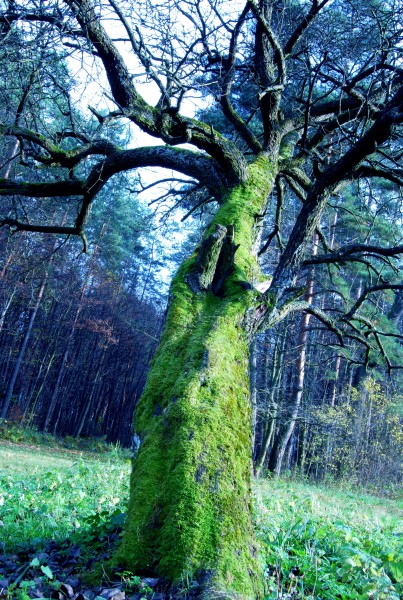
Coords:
393,175
165,124
274,43
377,134
269,58
55,155
371,290
325,318
138,49
41,190
303,25
351,253
190,163
53,19
355,101
117,73
17,225
193,164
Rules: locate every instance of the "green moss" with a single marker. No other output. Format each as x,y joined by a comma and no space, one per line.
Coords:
240,207
189,513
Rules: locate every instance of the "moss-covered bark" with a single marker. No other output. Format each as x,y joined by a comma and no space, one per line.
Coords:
189,514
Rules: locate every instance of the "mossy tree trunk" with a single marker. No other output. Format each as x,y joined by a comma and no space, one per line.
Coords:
190,508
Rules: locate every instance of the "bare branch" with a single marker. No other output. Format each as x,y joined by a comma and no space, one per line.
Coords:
353,252
371,290
227,106
303,25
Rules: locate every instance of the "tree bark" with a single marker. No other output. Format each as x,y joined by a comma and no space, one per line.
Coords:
21,352
189,515
300,368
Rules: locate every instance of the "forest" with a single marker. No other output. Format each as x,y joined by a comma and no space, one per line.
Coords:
201,226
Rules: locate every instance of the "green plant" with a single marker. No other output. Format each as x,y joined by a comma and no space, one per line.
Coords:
134,583
324,544
19,588
318,542
38,503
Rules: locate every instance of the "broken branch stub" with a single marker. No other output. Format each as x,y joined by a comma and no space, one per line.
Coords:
214,261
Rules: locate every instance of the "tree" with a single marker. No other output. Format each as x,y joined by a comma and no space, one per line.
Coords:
74,356
326,110
368,212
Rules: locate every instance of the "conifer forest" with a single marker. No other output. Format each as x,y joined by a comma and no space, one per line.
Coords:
201,220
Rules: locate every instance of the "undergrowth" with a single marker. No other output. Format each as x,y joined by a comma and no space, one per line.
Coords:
56,503
317,542
30,436
322,544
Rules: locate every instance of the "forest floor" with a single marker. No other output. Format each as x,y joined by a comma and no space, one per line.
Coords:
61,512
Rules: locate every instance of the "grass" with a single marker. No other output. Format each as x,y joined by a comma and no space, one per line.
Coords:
31,438
15,459
317,542
46,494
327,543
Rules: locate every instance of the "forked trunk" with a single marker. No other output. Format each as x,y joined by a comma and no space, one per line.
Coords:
190,508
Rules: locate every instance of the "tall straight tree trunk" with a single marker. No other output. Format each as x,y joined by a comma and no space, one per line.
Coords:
31,408
5,308
21,352
272,407
335,381
300,367
189,514
60,373
69,344
89,399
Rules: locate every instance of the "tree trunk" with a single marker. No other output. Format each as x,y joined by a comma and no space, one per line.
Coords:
300,368
89,397
5,308
189,515
21,352
272,405
335,381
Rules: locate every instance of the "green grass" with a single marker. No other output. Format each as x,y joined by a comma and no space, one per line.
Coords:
48,494
325,543
31,438
317,542
15,459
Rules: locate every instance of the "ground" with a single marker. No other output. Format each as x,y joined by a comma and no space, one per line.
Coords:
61,512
